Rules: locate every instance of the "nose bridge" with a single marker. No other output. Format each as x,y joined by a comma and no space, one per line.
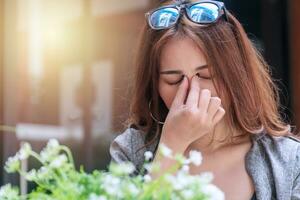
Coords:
190,78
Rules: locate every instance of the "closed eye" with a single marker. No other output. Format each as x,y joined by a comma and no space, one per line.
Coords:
202,76
198,75
177,82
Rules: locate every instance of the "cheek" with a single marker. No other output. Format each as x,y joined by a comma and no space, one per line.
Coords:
167,93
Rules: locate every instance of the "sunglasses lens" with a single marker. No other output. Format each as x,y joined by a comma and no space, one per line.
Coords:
164,17
204,12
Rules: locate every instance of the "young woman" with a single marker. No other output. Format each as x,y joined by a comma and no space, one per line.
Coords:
201,85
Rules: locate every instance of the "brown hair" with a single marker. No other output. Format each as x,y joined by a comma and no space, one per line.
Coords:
242,77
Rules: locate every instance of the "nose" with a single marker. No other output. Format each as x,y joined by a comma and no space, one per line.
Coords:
190,78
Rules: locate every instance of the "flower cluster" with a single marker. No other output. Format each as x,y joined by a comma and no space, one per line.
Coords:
57,178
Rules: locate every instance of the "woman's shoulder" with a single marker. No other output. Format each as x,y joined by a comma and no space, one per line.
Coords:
130,137
274,161
284,150
281,146
128,146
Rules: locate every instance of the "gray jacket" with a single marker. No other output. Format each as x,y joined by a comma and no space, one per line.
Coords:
272,162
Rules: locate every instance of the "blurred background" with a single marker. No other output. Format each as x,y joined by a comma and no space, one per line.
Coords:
66,68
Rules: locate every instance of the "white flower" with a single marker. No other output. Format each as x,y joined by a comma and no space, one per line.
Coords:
8,192
147,178
165,151
178,182
175,196
47,155
148,167
123,168
170,178
109,190
43,173
185,168
177,185
133,189
12,164
31,175
148,155
127,168
59,161
183,180
53,143
95,197
110,183
50,151
195,157
188,194
206,177
213,192
117,184
186,162
24,151
102,198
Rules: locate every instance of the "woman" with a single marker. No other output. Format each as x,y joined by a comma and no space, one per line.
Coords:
200,84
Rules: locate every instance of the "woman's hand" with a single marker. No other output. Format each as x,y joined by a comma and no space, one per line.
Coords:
187,122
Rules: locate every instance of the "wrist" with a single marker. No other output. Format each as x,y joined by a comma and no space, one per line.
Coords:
177,147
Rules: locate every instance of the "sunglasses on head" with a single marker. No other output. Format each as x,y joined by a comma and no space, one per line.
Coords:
202,12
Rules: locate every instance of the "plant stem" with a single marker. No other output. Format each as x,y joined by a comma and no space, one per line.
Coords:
36,156
69,154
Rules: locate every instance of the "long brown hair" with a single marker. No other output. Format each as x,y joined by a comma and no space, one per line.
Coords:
242,78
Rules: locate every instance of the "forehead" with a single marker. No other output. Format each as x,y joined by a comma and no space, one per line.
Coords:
181,53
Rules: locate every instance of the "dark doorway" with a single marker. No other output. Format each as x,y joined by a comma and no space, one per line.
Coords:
266,23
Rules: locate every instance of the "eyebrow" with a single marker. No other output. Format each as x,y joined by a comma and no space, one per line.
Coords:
180,72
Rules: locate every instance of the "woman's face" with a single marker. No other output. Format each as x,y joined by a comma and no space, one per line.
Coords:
182,57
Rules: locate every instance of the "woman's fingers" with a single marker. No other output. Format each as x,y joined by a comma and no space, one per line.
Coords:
211,106
204,100
193,96
215,103
218,116
181,94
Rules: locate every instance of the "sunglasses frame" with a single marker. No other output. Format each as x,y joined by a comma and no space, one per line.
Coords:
186,6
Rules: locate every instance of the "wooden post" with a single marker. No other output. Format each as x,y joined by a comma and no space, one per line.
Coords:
294,8
87,86
23,181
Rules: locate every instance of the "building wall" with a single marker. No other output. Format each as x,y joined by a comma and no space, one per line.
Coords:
1,84
10,82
